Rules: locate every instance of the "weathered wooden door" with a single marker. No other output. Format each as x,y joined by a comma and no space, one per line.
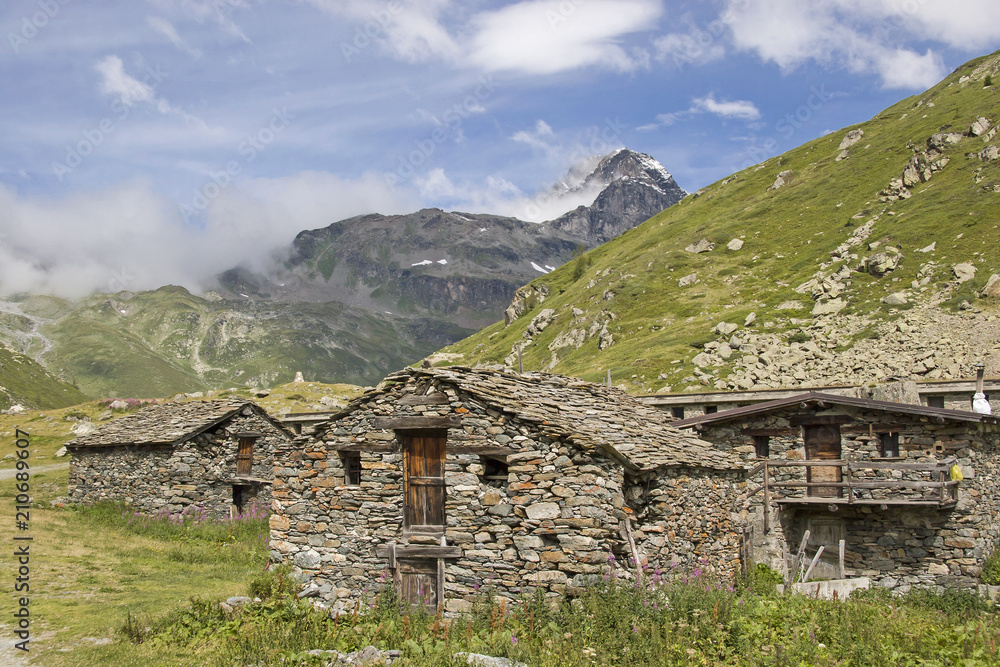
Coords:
423,481
244,457
418,582
823,443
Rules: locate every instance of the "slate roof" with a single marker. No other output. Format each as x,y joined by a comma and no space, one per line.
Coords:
588,415
167,423
815,397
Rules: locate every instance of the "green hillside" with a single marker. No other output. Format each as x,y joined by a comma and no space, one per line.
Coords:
622,306
24,382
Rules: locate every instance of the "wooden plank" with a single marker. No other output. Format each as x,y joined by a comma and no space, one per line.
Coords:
416,423
436,398
363,447
854,429
819,552
417,551
482,450
822,442
813,500
842,549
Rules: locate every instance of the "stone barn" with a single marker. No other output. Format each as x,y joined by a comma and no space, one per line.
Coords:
216,455
443,481
879,476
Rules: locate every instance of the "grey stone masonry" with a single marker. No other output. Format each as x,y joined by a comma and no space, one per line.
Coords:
176,456
898,533
546,477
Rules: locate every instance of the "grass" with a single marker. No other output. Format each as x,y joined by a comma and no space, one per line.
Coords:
93,569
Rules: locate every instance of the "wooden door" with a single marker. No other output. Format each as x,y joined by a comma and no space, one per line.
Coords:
423,481
244,457
823,443
418,582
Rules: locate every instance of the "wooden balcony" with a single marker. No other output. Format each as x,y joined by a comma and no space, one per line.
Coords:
859,483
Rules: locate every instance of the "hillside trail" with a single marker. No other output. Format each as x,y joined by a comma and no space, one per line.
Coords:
10,472
10,656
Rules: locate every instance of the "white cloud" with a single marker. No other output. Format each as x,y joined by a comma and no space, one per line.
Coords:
410,31
695,47
128,90
131,237
864,36
539,137
548,36
166,28
740,109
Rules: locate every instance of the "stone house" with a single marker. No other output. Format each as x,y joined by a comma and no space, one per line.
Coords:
217,455
446,480
875,474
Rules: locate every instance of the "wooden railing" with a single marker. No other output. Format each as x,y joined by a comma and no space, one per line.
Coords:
852,488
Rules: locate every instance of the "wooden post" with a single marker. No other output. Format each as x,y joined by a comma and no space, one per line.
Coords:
943,481
850,489
819,552
843,548
635,552
520,364
797,564
767,501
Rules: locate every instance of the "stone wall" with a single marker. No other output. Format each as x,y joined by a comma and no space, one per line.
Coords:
197,473
553,525
895,546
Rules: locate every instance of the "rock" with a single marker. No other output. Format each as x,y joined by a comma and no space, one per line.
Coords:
540,322
726,328
780,181
964,272
881,263
262,393
992,286
980,127
689,279
895,299
61,452
702,360
830,307
724,351
842,155
83,428
298,377
122,405
989,153
750,319
929,248
237,601
735,244
851,138
543,511
606,339
193,394
942,139
308,560
480,660
703,245
328,401
104,416
790,305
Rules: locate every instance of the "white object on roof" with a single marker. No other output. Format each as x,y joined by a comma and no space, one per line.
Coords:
980,404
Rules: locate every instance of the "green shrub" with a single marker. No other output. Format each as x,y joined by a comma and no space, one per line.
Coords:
990,573
799,337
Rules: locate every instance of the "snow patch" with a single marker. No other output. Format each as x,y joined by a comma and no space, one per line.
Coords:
550,268
442,261
423,263
538,268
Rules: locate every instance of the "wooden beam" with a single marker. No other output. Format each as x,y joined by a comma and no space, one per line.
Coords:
436,398
811,420
362,447
481,450
418,551
416,423
770,431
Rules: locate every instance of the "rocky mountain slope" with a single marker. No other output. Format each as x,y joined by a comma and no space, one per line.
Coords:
867,253
353,301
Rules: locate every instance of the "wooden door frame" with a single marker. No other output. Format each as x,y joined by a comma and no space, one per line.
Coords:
403,437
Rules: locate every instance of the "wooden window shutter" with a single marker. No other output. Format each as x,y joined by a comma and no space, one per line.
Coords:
244,457
423,480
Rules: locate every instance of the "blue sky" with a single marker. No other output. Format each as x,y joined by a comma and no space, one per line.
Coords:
161,141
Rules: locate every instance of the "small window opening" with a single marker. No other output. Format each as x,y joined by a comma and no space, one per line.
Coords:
242,495
762,446
297,428
935,401
352,468
711,409
889,444
677,412
495,472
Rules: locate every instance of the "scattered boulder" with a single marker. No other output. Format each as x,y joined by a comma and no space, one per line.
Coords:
689,279
980,127
942,139
881,263
780,181
964,272
702,360
299,377
83,428
703,245
831,307
929,248
790,305
735,244
122,405
606,339
262,393
480,660
16,409
540,322
725,328
992,286
989,153
61,452
896,299
750,319
851,138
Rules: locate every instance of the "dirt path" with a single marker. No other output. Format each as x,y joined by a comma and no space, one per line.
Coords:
10,656
10,472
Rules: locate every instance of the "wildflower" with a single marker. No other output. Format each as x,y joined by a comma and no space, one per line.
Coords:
635,629
513,640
